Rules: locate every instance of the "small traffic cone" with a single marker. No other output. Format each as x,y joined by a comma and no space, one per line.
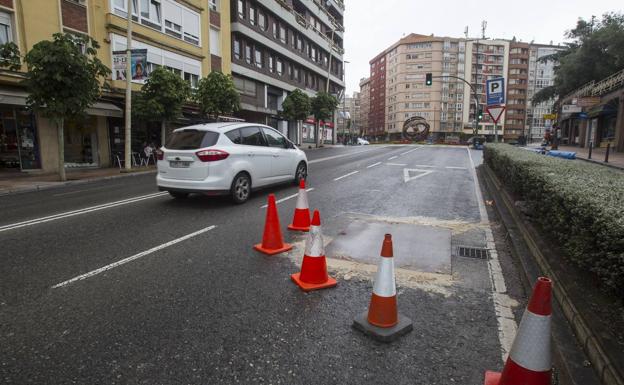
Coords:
313,275
383,321
301,219
529,359
272,241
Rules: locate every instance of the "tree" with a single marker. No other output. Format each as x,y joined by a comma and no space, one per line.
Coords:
216,95
161,98
323,107
596,51
10,56
296,106
63,80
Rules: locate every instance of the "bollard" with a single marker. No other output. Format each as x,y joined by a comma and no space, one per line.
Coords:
591,145
607,153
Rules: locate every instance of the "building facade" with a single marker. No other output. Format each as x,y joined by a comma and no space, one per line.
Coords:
278,46
188,37
517,95
541,75
364,106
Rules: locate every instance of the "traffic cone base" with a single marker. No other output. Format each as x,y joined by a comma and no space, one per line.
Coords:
403,326
313,286
298,228
285,247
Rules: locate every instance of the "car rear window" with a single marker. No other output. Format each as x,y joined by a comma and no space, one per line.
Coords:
191,139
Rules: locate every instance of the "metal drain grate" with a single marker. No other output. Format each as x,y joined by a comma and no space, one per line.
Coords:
473,252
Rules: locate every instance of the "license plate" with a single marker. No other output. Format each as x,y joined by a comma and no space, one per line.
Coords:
179,163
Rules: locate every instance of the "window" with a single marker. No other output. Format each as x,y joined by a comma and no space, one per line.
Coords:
192,139
262,21
241,9
280,68
190,26
252,15
245,86
274,138
282,34
6,34
192,79
176,71
215,42
248,54
237,49
150,12
271,64
258,55
251,136
274,30
296,72
214,5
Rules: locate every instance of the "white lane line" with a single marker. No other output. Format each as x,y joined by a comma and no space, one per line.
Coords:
346,175
286,198
397,164
424,165
456,168
86,210
373,165
343,155
503,303
393,157
132,258
407,152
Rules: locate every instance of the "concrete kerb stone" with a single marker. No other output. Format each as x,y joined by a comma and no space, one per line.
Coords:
404,326
601,163
585,335
72,183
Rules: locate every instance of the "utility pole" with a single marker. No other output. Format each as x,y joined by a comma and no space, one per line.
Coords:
128,136
331,45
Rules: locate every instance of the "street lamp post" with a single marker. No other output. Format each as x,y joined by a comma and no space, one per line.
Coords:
344,101
128,135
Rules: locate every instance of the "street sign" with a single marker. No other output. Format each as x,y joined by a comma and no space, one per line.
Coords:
570,109
550,116
583,115
495,91
495,112
588,101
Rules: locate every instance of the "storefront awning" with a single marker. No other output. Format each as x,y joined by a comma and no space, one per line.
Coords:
13,97
18,98
105,109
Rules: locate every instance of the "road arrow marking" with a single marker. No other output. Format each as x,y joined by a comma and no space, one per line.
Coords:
407,177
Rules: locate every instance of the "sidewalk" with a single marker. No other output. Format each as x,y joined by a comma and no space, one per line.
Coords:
616,159
13,182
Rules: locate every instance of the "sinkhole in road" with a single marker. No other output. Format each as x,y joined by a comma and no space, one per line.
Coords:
416,247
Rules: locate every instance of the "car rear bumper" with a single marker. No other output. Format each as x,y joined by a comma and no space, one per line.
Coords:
211,185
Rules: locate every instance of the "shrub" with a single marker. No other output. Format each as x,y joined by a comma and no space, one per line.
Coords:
579,205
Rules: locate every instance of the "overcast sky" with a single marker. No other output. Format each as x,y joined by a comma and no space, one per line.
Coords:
373,25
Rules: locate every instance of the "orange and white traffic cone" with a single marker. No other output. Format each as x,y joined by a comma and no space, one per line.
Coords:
272,241
529,359
301,219
383,321
313,275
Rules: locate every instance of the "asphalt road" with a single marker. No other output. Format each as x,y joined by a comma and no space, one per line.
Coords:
208,309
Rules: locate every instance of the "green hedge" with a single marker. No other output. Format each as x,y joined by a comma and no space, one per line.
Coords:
579,205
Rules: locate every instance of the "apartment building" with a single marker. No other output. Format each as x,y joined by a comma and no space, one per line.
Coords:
517,95
282,45
188,37
364,106
349,116
541,75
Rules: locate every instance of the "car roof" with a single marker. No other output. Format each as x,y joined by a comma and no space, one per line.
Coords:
220,127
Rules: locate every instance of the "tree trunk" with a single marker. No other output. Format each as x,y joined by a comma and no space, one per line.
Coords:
61,150
299,133
317,130
163,130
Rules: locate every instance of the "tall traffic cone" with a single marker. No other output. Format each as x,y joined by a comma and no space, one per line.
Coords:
529,359
301,219
383,321
272,241
313,275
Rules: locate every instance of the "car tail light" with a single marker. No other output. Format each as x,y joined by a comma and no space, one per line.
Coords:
211,155
160,154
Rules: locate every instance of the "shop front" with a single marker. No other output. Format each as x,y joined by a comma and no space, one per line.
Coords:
19,142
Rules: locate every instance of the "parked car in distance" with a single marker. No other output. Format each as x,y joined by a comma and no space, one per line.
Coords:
227,158
362,142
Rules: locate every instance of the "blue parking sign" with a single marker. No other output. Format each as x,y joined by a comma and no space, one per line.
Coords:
495,91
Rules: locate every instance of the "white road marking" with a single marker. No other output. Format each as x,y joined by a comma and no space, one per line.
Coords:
396,164
344,176
373,165
424,165
86,210
132,258
407,177
456,168
393,157
343,155
407,152
503,304
286,198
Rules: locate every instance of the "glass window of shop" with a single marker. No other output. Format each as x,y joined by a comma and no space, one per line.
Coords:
19,144
81,142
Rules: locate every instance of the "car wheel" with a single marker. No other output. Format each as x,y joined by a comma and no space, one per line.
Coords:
241,188
301,172
178,195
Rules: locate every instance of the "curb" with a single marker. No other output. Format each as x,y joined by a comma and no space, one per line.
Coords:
601,163
73,182
591,342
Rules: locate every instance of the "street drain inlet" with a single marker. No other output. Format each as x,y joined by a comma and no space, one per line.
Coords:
473,252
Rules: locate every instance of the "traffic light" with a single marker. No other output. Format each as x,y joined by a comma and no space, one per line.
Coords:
428,79
480,115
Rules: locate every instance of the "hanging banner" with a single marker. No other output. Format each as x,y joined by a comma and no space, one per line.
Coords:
138,65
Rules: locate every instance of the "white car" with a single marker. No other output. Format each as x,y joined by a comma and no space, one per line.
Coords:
227,158
362,142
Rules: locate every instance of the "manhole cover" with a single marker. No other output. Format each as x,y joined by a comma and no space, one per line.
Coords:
473,252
